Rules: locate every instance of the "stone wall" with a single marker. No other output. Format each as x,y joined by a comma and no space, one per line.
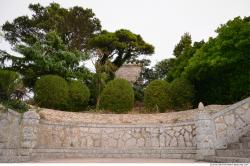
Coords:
119,140
29,136
216,131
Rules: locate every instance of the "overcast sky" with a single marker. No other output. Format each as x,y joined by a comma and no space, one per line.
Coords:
159,22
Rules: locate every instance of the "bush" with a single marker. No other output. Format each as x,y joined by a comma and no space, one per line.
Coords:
156,96
51,92
16,105
78,96
117,96
182,94
9,82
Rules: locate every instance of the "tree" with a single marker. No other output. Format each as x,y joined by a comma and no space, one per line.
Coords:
179,63
184,43
49,56
119,47
219,70
75,25
162,68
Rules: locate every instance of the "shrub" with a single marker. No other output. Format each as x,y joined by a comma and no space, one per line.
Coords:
16,105
182,94
51,92
78,96
9,82
156,96
117,96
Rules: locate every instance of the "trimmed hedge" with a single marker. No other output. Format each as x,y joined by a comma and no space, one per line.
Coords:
156,96
117,96
51,91
78,96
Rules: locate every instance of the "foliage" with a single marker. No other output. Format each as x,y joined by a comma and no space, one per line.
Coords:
181,94
117,96
78,96
184,44
163,67
10,84
219,70
178,64
51,91
75,25
16,105
49,56
119,46
156,96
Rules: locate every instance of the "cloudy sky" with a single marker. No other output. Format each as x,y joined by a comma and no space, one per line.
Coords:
159,22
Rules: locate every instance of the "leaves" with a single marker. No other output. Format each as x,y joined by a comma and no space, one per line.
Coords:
74,26
119,46
49,56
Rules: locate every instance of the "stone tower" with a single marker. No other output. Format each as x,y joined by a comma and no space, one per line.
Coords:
129,72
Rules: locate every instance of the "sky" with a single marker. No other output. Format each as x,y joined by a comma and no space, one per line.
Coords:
160,22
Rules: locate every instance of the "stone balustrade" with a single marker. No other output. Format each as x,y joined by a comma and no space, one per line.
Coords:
27,136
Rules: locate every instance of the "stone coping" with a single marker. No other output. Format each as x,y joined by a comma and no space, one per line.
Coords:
79,124
98,118
231,108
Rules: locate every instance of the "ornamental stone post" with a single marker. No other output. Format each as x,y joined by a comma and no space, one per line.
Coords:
205,129
29,131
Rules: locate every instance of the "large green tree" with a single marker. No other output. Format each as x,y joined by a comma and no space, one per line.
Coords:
119,47
220,70
75,25
49,56
178,64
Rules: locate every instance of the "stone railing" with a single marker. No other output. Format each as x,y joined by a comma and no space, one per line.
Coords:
117,140
216,131
25,136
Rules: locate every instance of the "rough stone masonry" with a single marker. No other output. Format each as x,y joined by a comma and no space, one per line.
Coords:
31,135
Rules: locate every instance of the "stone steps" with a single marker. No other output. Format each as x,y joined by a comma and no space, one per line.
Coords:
178,153
233,153
236,152
227,159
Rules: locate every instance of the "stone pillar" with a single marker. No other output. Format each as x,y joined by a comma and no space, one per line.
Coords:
29,131
205,136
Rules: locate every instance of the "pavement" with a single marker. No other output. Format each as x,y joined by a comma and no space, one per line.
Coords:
113,160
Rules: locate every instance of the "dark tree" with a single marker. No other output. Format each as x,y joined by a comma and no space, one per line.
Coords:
75,25
119,47
184,44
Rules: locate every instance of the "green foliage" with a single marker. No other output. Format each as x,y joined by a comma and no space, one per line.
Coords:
75,25
10,82
163,67
220,69
52,92
123,43
181,94
49,56
16,105
78,96
156,96
117,96
184,44
178,64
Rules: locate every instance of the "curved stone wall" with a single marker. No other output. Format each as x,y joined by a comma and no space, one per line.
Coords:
28,136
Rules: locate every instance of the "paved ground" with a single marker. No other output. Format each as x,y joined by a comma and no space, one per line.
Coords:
113,160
